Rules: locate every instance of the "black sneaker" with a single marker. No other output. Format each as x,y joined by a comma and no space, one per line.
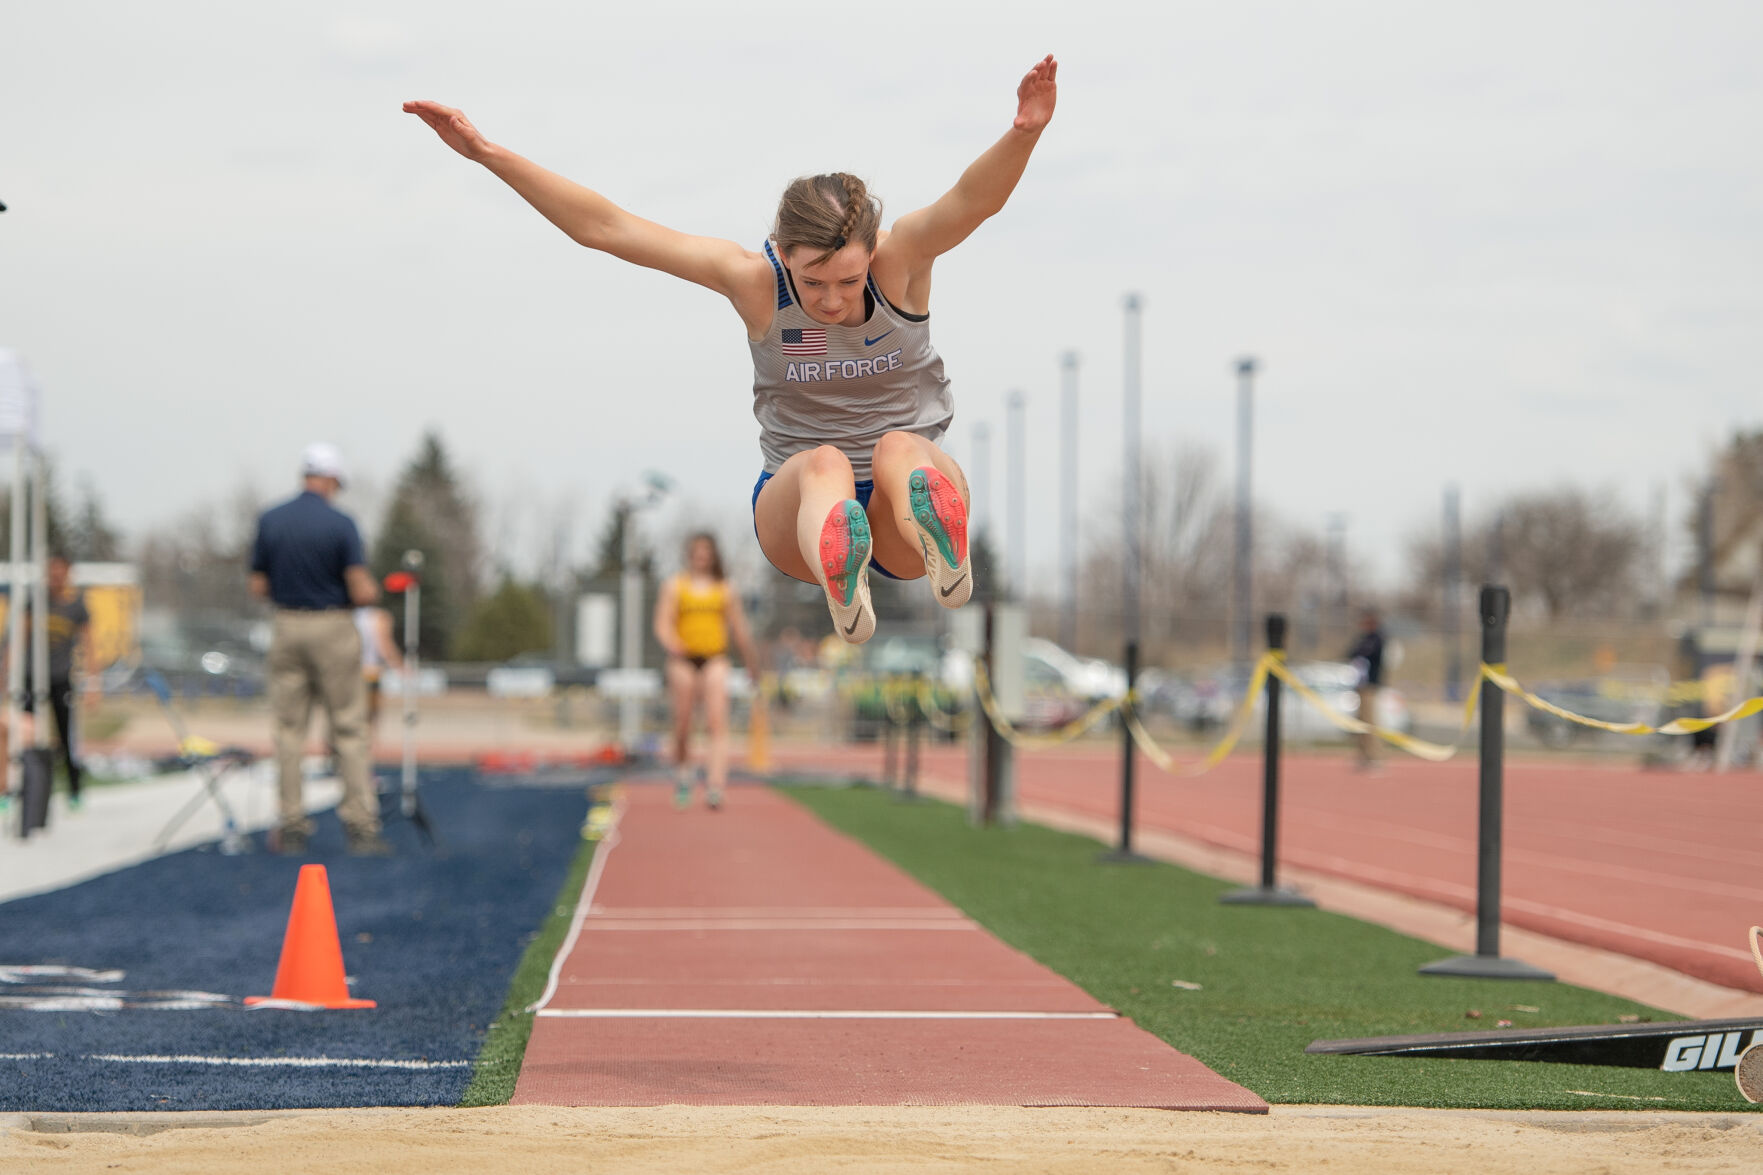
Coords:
368,844
287,842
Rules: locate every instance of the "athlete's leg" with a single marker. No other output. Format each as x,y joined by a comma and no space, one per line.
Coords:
810,527
680,675
919,514
715,677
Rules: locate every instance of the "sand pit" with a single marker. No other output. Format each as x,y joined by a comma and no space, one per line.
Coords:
539,1140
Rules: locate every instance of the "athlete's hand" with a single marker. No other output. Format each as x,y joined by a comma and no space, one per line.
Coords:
454,128
1035,97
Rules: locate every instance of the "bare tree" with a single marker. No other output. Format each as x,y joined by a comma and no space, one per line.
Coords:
1566,552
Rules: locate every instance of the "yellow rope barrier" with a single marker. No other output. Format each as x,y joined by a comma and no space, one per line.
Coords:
1274,663
1499,675
1420,748
1233,733
1034,742
936,715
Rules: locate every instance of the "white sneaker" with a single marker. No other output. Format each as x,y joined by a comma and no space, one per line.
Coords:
844,562
940,517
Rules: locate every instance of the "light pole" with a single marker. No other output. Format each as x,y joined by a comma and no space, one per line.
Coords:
1130,474
1123,851
1016,475
1068,491
1244,571
630,606
979,486
1452,605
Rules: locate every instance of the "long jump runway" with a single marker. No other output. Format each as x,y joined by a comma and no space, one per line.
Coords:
753,956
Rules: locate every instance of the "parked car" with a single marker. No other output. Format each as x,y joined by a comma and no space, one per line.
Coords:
1625,694
192,669
1337,684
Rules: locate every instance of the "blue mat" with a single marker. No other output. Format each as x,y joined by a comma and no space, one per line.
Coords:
433,934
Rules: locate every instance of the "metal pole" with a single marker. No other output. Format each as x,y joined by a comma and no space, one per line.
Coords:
1268,892
1452,603
1486,963
1130,487
995,745
914,724
38,549
631,630
1123,852
1016,475
1497,548
1244,570
1130,620
1705,552
1068,485
980,486
889,736
15,631
408,681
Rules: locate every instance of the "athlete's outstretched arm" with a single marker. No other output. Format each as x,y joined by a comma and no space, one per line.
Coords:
591,219
921,237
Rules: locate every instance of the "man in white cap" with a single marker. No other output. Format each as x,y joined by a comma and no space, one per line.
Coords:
308,561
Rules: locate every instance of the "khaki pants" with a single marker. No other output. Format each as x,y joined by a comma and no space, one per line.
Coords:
1368,713
316,657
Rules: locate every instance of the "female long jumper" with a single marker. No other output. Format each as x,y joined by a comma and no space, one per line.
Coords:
850,397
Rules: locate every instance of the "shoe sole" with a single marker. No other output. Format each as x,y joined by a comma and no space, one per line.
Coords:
844,562
940,517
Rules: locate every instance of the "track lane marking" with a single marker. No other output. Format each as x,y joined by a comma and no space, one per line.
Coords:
804,1014
682,924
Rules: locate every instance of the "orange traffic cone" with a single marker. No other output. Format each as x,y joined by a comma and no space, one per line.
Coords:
311,970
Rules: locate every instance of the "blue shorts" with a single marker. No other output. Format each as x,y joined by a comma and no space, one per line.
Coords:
865,489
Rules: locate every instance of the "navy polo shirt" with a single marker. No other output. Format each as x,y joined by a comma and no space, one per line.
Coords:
303,546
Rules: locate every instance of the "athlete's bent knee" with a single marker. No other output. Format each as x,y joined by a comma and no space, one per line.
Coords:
899,447
827,461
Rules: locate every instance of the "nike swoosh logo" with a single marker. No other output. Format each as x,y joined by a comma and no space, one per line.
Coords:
853,627
950,590
869,342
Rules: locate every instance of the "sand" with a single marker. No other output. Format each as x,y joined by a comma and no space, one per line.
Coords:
535,1140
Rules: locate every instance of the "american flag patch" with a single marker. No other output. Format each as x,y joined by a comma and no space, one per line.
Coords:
798,341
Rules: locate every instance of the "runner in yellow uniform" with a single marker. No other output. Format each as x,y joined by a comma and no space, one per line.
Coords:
695,615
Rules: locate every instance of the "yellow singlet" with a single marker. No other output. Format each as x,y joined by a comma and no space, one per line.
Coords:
702,631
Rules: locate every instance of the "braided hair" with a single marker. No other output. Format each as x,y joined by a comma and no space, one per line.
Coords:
826,213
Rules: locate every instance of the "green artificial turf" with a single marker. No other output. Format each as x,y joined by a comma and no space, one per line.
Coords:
498,1061
1271,980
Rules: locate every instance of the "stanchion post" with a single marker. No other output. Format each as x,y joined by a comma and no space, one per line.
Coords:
992,777
1122,853
914,725
1268,893
890,757
1486,963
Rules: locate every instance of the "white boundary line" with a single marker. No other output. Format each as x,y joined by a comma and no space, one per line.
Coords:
279,1062
602,849
244,1062
791,1014
800,913
599,925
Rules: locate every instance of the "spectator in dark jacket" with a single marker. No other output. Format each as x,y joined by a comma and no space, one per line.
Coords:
1367,657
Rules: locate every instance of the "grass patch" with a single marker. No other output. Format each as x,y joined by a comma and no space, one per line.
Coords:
1271,980
498,1062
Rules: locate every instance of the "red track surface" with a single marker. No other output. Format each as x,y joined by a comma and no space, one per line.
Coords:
755,957
1661,866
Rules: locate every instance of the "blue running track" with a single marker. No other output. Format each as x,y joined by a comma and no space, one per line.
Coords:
433,934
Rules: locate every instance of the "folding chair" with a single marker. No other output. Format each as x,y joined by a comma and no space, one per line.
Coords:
208,761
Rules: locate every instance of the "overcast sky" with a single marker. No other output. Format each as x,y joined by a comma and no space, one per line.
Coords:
1506,245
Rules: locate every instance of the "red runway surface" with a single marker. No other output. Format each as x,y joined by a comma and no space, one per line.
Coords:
1661,866
755,957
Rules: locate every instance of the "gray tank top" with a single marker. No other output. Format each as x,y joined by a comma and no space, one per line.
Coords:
815,384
